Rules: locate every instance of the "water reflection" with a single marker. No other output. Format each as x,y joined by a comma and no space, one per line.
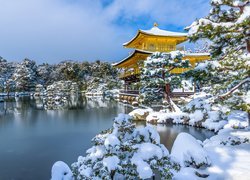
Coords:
32,138
169,132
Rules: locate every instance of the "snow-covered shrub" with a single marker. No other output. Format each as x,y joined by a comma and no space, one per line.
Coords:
125,152
61,171
237,120
228,137
204,112
189,152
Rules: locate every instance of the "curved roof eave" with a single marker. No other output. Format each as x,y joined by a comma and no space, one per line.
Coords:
131,55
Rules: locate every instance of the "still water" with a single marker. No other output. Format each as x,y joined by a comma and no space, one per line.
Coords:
32,139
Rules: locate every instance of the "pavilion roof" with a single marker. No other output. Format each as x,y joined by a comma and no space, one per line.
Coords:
155,31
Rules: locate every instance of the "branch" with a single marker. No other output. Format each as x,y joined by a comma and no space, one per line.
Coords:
171,68
234,88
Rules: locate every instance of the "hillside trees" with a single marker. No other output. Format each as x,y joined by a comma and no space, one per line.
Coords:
24,75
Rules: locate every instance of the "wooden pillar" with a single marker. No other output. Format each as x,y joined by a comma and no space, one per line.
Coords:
125,86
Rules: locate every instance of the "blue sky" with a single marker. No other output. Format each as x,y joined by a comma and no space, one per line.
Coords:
56,30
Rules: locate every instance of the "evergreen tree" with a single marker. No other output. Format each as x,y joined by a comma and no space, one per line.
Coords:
25,75
227,26
156,73
125,152
43,74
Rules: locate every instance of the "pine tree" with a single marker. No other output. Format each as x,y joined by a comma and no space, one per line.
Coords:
125,152
156,73
25,75
227,26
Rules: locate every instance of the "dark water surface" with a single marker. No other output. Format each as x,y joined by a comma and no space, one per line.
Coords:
32,139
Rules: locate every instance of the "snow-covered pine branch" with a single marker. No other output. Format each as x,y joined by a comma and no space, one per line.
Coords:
227,25
247,80
125,152
156,73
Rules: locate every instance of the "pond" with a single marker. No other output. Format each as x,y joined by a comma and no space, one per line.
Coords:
32,139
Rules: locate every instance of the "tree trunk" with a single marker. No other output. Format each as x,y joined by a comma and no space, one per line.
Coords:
248,46
248,119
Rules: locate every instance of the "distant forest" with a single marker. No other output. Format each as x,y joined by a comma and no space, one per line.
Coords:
25,75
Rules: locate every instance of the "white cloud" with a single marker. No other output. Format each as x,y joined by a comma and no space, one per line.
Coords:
54,30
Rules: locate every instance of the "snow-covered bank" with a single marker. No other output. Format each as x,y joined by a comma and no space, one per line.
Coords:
201,111
224,156
125,151
230,153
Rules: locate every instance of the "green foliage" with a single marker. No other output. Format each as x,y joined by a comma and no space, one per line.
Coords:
227,27
155,74
125,145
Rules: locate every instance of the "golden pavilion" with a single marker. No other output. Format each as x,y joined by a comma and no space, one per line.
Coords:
146,42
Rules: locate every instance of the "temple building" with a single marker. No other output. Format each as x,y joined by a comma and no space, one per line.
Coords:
146,42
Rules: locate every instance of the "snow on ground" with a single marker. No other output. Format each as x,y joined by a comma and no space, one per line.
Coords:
230,154
223,156
211,120
189,152
162,117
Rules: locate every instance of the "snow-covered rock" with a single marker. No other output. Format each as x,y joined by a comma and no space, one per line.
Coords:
61,171
140,114
189,152
162,117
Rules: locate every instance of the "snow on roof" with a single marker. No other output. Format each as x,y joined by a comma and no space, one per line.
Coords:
157,32
196,54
